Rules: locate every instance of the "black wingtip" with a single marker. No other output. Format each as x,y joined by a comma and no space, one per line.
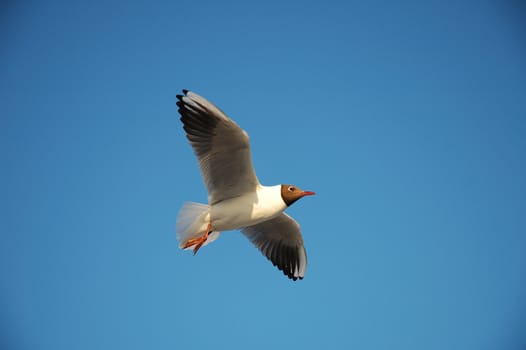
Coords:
292,277
288,274
185,91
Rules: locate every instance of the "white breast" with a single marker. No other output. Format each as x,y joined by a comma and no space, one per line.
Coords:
248,209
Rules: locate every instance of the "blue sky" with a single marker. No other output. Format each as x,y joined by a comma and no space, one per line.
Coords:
407,118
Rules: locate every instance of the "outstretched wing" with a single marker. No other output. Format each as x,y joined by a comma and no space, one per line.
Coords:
221,146
279,239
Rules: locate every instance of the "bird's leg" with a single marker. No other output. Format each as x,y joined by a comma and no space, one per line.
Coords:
199,241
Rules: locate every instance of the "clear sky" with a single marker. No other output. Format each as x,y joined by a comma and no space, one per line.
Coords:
408,118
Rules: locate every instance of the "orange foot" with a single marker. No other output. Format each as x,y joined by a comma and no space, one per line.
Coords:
199,241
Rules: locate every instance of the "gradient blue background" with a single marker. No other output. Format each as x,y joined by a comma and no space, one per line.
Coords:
407,118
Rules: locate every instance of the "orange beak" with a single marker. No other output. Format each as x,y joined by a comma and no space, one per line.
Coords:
308,193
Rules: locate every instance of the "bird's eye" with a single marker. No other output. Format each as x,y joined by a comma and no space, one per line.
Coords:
292,188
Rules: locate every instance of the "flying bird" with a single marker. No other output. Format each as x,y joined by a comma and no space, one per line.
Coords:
236,199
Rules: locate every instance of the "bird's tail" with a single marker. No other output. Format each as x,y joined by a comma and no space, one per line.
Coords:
192,222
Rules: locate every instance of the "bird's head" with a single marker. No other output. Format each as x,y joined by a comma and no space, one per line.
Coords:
291,193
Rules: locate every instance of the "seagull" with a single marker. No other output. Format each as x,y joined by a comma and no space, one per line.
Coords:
236,199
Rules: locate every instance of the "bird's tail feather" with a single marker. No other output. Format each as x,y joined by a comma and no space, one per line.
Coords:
192,222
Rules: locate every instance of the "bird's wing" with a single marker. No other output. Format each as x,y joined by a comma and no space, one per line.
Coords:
221,146
279,239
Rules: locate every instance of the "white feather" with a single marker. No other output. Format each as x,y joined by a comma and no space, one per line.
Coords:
192,222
